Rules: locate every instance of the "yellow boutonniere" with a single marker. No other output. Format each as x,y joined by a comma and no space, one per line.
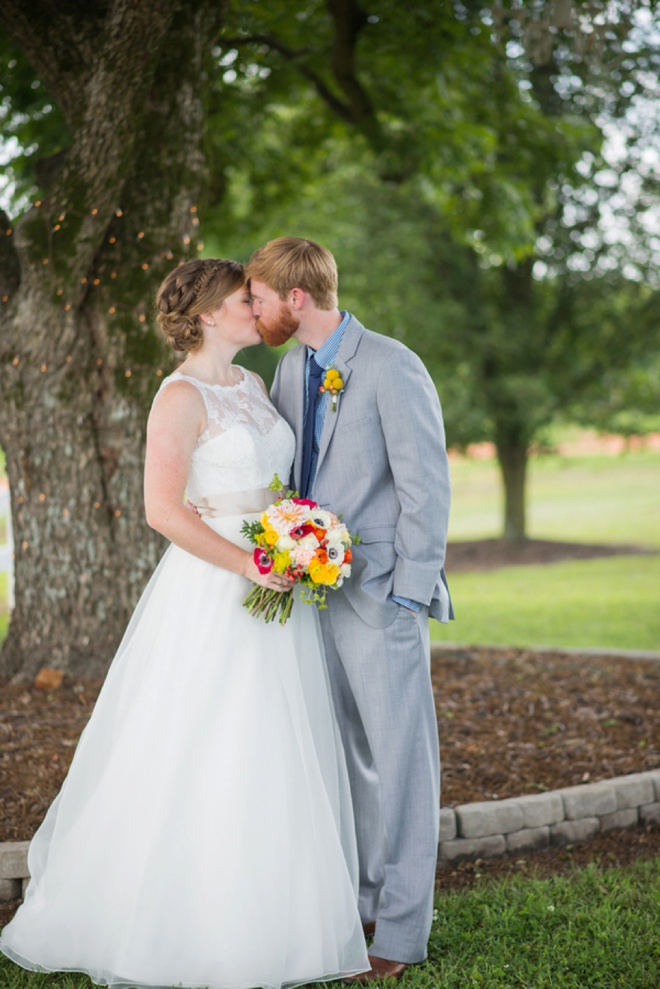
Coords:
333,383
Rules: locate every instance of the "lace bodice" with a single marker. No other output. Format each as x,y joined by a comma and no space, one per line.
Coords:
244,443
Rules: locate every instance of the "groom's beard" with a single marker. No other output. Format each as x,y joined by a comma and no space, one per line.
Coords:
276,333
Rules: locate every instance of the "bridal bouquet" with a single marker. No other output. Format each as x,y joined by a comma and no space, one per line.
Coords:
297,538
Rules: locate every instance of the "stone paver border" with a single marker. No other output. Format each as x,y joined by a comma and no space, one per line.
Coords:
489,828
553,819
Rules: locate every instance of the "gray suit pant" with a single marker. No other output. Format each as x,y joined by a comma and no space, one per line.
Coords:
383,697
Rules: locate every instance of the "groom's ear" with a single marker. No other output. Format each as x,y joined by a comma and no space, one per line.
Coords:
296,298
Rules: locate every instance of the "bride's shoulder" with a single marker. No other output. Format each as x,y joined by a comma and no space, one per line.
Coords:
177,392
253,378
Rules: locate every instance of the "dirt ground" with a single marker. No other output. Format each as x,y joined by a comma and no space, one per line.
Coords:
511,722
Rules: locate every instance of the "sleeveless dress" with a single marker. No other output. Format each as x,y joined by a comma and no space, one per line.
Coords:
204,834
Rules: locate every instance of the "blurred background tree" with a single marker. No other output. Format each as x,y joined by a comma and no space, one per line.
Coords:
451,155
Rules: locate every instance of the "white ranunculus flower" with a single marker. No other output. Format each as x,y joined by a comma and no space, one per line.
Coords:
285,543
307,542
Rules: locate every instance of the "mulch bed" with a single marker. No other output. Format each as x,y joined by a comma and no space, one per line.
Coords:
489,554
511,722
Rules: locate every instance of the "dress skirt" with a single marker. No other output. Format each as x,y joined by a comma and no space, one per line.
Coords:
204,834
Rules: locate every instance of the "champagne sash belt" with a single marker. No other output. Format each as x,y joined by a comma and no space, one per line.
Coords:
235,503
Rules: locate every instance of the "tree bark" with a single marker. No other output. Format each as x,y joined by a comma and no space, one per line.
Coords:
80,358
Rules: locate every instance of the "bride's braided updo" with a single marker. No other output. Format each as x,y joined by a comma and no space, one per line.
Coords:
194,287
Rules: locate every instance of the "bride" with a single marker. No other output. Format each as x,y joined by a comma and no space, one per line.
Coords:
204,834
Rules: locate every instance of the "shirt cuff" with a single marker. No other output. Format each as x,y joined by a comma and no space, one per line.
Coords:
407,603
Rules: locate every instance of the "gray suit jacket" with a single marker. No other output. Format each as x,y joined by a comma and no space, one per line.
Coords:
383,467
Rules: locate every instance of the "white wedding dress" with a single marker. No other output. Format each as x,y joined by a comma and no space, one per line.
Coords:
204,833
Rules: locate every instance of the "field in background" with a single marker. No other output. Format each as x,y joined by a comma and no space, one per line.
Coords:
595,498
589,497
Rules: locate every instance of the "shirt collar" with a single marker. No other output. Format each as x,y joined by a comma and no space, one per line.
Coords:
326,355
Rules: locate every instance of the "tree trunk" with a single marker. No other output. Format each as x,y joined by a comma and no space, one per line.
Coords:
512,459
81,358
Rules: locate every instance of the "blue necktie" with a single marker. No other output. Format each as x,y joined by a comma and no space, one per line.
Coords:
314,381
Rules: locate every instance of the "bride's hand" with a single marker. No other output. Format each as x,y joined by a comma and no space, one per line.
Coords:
271,580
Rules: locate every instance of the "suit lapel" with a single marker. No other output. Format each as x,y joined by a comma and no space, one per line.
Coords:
347,350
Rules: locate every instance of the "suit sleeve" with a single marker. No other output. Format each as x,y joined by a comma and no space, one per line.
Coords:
411,420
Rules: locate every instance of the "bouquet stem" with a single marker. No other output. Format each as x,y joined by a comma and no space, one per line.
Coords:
268,604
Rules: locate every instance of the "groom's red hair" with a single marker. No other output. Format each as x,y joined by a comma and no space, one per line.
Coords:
294,262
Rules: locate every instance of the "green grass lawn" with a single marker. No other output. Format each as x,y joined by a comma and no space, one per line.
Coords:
610,602
590,929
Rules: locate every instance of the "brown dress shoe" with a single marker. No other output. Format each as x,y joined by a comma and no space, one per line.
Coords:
381,968
369,928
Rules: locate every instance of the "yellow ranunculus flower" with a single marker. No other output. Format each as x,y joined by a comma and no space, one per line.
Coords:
323,573
332,374
338,384
270,535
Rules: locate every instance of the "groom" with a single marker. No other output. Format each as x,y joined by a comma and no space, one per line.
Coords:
371,448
